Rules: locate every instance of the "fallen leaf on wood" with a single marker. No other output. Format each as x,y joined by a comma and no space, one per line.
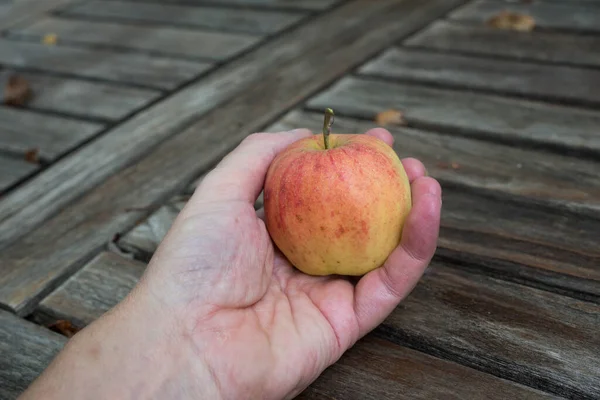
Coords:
50,39
17,91
512,21
32,156
390,117
453,165
64,327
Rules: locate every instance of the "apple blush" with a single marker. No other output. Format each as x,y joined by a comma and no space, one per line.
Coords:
336,203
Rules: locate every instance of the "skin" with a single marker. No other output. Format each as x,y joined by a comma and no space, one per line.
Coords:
221,314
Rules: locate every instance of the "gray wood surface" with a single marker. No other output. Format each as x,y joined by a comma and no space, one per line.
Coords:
83,99
175,42
22,130
95,289
21,11
313,5
483,115
125,68
532,80
12,169
564,48
143,240
491,216
534,337
566,15
74,175
375,369
222,19
26,350
40,261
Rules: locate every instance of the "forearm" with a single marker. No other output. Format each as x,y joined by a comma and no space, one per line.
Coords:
125,355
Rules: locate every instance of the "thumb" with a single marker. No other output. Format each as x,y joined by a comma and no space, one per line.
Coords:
240,175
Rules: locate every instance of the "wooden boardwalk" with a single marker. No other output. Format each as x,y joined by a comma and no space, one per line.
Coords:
134,100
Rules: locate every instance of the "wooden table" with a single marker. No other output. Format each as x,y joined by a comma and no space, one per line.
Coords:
133,101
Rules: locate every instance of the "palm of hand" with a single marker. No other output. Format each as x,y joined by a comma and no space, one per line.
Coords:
266,329
287,325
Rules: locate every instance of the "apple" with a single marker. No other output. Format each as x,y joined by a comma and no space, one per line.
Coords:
336,203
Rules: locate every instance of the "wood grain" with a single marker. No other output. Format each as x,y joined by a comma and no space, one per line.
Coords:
125,68
561,48
83,99
313,5
523,334
21,11
22,130
502,212
375,369
26,350
174,42
92,291
570,16
40,261
143,240
13,169
563,84
482,115
222,19
76,174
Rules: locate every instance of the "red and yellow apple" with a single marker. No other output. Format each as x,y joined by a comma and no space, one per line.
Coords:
336,208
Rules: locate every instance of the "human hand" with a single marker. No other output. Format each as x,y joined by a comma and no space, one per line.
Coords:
225,314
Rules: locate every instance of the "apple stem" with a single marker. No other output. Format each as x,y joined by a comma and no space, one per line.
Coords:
329,118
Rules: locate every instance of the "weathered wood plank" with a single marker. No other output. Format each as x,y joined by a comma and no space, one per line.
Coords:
143,240
37,263
375,369
13,169
82,98
524,242
92,291
541,46
218,18
175,42
22,130
537,338
547,82
560,15
126,68
24,10
26,350
314,5
485,218
483,115
74,175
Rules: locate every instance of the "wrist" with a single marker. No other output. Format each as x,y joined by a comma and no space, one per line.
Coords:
137,350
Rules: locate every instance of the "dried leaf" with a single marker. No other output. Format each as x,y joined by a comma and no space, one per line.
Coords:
512,21
390,117
50,39
64,328
17,91
32,156
444,165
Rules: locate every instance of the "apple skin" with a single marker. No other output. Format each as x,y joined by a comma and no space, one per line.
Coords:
339,210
